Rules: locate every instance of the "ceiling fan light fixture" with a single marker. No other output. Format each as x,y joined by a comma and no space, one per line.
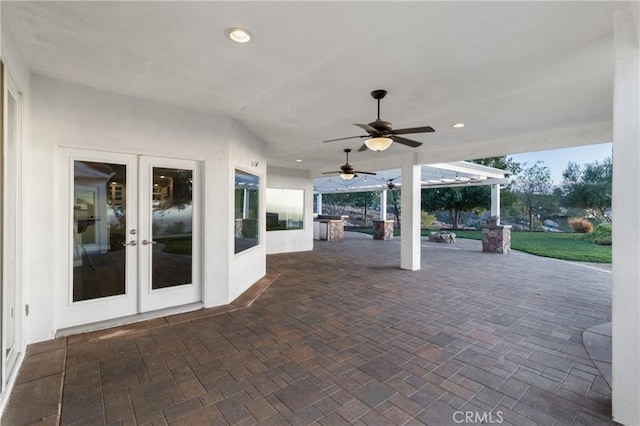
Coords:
347,176
378,144
239,35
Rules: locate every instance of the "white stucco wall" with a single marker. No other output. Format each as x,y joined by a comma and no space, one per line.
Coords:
292,240
68,115
248,266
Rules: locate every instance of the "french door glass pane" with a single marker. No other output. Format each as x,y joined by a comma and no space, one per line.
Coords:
172,219
99,232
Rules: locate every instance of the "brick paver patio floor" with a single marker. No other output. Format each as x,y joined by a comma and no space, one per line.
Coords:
342,335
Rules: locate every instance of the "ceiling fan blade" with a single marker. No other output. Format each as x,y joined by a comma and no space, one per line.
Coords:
342,139
365,173
425,129
331,173
363,148
405,141
367,128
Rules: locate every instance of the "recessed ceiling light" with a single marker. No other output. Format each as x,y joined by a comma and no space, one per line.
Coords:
458,125
239,35
298,161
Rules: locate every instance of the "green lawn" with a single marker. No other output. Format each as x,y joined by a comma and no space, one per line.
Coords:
566,246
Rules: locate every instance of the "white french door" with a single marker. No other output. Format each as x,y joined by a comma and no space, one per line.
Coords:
132,242
11,224
169,229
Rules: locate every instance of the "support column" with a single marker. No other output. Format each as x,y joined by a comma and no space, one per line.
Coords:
319,204
495,202
383,204
245,203
625,209
410,214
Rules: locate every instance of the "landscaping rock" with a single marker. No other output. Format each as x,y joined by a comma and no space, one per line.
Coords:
443,237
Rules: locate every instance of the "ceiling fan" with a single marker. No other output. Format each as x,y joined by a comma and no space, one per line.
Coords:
391,185
346,170
381,134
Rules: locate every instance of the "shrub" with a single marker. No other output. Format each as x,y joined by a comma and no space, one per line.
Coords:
426,220
580,225
602,234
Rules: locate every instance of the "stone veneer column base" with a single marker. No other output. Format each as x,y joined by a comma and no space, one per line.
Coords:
383,229
496,239
336,230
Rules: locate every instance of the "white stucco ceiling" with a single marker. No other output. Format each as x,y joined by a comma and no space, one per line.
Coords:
521,75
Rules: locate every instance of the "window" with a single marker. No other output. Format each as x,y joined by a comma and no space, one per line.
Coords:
247,196
285,209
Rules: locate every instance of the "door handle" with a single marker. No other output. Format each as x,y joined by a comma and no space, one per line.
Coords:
130,243
146,242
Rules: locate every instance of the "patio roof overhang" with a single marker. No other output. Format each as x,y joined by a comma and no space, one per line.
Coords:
440,175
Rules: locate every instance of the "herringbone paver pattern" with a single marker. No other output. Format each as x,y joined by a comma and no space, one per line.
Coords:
344,336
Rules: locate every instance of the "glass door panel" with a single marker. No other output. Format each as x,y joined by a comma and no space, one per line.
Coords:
169,242
100,226
99,245
172,227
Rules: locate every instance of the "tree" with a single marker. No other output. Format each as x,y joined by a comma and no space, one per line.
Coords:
181,188
508,198
457,201
335,204
365,200
394,196
508,164
533,184
589,187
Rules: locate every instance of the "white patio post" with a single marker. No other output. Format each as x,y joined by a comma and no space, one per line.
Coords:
410,214
626,215
319,204
495,201
245,203
383,204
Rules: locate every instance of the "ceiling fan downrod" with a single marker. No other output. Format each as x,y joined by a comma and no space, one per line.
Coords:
377,95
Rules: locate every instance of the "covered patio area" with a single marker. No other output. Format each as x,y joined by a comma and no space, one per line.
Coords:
343,335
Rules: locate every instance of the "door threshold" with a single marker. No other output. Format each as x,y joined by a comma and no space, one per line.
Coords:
117,322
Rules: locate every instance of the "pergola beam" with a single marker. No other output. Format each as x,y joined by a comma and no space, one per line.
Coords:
440,175
470,168
371,188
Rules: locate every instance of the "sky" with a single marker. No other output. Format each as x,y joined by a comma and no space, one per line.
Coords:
557,159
